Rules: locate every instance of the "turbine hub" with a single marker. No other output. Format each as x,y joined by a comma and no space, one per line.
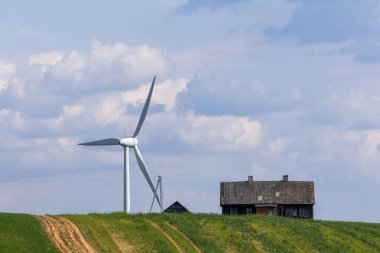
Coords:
129,142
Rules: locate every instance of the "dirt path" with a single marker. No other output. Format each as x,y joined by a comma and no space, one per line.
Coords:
65,235
167,236
184,236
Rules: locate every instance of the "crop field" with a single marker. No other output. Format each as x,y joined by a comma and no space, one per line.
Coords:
23,233
118,232
217,233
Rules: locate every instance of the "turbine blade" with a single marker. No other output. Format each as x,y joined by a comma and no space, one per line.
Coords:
145,109
104,142
145,171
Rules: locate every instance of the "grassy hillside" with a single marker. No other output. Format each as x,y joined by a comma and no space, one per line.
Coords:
118,232
23,233
217,233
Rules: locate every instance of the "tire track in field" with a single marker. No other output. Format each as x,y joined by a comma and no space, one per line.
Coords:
65,235
184,236
123,246
167,236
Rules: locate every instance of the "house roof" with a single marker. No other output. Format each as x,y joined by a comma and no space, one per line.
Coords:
267,192
176,204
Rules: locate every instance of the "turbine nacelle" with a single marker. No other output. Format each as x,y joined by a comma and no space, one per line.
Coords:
129,142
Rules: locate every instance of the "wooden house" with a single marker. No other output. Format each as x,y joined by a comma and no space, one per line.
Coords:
284,198
176,207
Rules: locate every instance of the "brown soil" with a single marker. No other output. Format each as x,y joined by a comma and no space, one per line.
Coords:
65,235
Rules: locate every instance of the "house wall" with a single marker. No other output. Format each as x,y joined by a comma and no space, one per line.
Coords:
266,210
296,211
238,209
299,211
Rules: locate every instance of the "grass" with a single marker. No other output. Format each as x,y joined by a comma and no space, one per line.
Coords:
23,233
118,232
218,233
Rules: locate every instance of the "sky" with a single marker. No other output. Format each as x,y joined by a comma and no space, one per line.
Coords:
262,88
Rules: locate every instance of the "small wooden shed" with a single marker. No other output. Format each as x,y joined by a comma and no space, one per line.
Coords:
176,207
284,198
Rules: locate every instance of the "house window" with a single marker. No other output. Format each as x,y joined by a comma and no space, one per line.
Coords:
270,211
277,194
249,210
259,198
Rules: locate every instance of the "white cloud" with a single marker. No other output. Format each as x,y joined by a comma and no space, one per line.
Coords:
70,67
111,108
17,87
70,111
221,133
104,67
108,110
11,120
214,133
277,145
165,93
100,110
106,54
131,63
6,70
67,144
371,146
49,58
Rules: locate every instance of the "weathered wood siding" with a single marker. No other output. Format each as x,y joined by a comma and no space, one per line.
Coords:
266,210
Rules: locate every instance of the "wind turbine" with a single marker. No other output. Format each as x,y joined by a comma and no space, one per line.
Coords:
127,143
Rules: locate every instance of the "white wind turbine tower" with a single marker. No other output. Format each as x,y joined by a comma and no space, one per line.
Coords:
127,143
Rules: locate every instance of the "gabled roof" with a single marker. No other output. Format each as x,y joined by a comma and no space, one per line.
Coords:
267,192
176,205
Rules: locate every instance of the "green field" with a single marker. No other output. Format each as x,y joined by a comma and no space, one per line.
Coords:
119,232
23,233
